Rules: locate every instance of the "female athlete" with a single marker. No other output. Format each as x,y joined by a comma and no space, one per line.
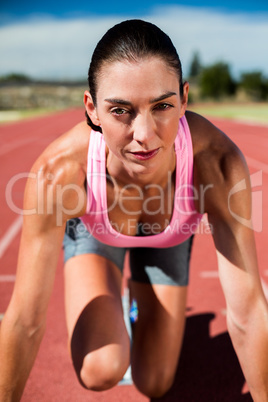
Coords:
137,176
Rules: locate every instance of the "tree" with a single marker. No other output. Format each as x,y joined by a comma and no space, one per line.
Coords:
15,77
254,85
216,81
195,66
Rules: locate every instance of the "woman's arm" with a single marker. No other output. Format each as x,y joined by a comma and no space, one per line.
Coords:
229,212
24,322
53,194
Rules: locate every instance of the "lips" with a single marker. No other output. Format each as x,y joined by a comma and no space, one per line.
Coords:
144,155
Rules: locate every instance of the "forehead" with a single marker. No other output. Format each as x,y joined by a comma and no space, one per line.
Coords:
151,74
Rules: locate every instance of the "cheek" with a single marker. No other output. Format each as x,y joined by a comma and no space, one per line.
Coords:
114,140
115,133
170,131
168,121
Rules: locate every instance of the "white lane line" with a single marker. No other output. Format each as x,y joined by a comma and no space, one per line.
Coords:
7,278
209,274
10,235
251,122
5,149
215,274
257,164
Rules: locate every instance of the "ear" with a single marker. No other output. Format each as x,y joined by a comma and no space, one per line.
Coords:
91,109
184,101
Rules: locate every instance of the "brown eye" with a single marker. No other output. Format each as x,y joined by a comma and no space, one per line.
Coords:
119,111
163,106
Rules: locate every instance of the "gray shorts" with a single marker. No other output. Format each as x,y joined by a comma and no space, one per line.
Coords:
166,266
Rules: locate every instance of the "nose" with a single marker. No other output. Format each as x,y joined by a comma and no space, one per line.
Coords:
143,128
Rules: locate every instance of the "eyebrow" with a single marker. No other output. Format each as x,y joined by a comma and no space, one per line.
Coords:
162,97
128,103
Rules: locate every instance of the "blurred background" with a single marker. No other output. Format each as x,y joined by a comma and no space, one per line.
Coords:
46,47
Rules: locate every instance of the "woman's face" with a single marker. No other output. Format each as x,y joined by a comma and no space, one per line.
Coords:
138,108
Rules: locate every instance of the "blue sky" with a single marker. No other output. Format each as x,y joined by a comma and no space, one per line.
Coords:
55,39
63,9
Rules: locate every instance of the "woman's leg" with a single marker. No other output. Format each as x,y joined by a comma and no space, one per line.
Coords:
157,336
98,339
159,286
99,343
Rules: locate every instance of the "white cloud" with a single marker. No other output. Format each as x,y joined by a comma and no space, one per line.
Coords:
50,48
238,39
62,48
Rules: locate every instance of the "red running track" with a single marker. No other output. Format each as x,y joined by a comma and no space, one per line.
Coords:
208,369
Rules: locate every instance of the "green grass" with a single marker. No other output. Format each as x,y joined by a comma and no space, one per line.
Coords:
248,112
16,115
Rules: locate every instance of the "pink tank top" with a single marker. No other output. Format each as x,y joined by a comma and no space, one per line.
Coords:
185,219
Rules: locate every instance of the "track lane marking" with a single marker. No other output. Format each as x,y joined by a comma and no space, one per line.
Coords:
7,278
257,164
5,149
215,274
10,234
209,274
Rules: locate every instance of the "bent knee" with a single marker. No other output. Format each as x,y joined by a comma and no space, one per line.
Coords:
154,385
102,370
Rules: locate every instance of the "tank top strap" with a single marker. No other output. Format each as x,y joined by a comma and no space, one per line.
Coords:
96,149
96,179
185,164
183,142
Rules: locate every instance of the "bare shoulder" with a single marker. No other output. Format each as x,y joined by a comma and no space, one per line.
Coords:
67,154
218,163
57,177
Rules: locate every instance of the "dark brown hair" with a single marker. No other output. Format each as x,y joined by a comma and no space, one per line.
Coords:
131,40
